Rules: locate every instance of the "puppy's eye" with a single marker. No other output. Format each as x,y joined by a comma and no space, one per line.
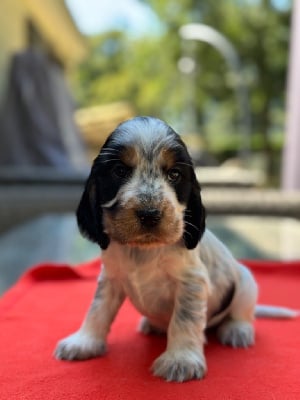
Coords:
121,171
173,175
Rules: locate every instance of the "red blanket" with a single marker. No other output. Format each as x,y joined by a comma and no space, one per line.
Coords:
49,302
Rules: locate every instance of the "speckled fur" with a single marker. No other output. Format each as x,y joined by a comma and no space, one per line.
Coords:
179,284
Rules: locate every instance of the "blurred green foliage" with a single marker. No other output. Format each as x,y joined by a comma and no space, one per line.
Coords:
145,71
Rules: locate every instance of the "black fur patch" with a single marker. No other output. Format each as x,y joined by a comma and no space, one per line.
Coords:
100,188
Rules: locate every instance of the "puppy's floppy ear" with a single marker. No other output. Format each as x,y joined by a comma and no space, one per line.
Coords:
89,215
194,216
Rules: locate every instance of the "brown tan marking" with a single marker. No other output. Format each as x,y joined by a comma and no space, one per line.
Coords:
166,159
129,156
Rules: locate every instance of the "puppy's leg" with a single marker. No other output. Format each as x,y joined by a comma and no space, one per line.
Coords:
184,358
237,329
90,340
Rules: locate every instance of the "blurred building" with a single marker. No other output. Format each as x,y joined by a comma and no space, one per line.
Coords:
46,25
39,44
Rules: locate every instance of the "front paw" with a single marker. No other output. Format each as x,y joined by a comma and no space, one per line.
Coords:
180,365
79,346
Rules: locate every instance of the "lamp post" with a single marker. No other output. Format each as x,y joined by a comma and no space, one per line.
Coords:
207,34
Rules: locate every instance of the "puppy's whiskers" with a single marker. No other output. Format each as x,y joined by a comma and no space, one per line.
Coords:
111,159
189,223
111,149
184,163
188,233
108,153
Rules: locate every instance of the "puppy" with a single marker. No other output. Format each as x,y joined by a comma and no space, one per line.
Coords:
142,205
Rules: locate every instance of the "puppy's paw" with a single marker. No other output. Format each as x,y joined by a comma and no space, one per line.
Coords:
180,365
236,333
147,328
79,346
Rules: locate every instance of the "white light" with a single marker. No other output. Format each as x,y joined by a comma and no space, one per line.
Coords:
186,65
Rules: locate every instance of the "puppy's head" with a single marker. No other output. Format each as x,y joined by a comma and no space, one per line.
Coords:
142,189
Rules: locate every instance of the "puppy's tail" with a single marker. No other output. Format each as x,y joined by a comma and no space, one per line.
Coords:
266,311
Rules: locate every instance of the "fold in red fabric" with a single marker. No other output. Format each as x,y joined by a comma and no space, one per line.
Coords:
49,302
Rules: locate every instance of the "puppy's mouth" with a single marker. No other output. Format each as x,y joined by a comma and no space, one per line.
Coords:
150,227
147,238
138,235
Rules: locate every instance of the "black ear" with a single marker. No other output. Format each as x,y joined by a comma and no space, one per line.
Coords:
194,216
89,215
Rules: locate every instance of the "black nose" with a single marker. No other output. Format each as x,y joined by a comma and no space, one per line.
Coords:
149,217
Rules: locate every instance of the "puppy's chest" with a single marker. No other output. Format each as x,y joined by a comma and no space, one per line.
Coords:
148,283
151,292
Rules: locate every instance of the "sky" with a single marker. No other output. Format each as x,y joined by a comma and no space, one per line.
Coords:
97,16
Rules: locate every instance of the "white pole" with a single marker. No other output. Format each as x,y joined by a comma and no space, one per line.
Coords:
211,36
291,151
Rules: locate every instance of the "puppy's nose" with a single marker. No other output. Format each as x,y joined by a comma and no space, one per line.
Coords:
149,217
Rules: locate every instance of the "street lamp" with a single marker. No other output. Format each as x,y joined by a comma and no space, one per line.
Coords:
211,36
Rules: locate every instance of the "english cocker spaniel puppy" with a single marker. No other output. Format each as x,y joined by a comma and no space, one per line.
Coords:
142,205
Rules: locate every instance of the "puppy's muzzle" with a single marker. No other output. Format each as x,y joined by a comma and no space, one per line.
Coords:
149,217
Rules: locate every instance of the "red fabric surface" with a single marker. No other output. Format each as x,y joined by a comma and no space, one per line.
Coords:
49,303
